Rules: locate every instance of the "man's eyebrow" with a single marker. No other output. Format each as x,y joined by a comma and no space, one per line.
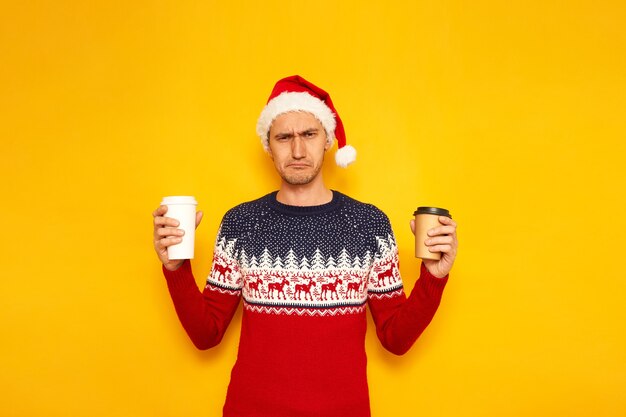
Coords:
283,134
291,134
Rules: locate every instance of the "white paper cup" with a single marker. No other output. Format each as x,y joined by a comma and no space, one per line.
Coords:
183,209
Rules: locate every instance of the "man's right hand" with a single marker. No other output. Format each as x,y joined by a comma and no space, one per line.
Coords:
167,234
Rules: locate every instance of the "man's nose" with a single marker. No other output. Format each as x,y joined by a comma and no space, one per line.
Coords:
298,149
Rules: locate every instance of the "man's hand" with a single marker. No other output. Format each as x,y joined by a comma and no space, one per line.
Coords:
441,239
166,234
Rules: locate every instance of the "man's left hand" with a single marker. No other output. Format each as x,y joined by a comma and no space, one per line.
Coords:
441,239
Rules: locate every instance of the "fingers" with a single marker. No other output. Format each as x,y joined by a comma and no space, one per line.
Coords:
167,236
169,231
161,245
440,241
441,230
440,248
161,221
160,211
446,245
165,231
443,238
447,221
448,228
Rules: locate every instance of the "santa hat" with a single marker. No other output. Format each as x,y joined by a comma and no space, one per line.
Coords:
297,94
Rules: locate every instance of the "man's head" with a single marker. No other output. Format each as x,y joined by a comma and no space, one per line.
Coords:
297,144
295,94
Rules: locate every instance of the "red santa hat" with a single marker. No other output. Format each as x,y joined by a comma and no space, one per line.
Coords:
297,94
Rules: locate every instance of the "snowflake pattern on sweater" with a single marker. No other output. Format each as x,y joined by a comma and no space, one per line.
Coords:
283,260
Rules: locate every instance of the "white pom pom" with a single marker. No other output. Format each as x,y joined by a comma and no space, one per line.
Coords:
345,156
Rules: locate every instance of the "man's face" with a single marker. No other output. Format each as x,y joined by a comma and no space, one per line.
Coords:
297,143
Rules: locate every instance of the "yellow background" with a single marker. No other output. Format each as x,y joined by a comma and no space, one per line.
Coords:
510,114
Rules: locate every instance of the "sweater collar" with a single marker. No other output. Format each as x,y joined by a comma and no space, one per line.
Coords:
333,204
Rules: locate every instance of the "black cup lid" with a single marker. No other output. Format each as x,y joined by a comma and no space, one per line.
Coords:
432,210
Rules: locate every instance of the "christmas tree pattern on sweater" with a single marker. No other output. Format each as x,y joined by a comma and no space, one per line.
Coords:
322,260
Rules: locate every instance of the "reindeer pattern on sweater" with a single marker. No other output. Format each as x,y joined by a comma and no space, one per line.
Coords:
311,265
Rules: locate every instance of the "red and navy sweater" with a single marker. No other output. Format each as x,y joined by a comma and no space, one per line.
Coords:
306,276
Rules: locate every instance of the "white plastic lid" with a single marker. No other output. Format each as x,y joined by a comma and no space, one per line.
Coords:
179,199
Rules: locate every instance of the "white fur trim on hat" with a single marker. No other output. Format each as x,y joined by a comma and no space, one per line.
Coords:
294,101
345,156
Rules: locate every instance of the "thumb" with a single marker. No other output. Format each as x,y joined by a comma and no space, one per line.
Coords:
199,218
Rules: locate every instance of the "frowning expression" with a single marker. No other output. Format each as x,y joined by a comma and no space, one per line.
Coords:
297,143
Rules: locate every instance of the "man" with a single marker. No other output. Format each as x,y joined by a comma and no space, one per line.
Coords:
306,260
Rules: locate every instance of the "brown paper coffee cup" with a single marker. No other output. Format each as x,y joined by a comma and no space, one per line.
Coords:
425,219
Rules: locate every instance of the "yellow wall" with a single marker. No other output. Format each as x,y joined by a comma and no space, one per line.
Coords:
511,114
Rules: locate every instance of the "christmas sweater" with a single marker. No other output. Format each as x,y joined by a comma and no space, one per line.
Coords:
306,275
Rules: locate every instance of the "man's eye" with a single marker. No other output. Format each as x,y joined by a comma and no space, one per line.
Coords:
309,134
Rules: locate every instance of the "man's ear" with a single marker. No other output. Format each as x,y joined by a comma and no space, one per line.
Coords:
328,145
269,150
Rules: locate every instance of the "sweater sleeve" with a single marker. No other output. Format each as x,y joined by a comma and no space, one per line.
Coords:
205,315
400,320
